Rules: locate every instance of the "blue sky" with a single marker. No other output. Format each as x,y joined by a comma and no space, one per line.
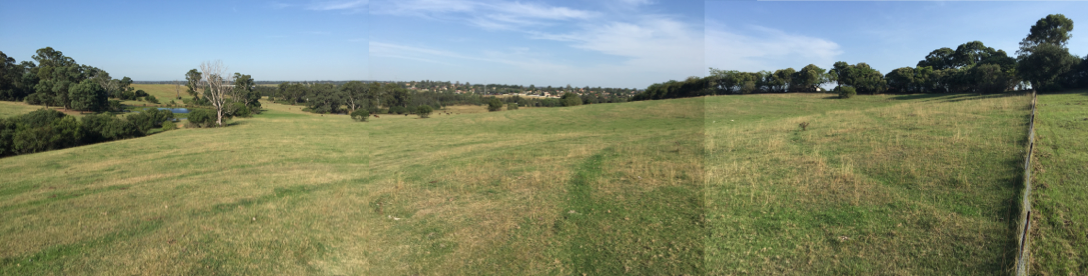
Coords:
161,40
753,36
610,43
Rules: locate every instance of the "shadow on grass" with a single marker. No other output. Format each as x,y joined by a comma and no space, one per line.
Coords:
956,97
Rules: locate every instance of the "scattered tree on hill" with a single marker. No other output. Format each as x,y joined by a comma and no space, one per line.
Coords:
568,99
1043,57
355,95
192,79
424,111
215,76
494,104
360,115
88,96
845,92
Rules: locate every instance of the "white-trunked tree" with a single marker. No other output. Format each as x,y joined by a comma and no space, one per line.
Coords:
218,85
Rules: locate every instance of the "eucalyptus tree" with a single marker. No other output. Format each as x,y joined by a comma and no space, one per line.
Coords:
355,94
87,95
217,80
1043,56
192,79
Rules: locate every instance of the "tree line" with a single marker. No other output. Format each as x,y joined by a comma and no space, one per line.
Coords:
58,80
398,98
1043,62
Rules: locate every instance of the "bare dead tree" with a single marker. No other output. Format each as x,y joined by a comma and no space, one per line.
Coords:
177,89
217,86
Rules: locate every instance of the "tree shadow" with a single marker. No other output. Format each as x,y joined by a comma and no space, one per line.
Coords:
956,97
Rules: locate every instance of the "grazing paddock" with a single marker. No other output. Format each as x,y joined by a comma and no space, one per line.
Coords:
1059,242
921,184
599,189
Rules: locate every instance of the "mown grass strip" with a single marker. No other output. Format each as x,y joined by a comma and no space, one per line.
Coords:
659,232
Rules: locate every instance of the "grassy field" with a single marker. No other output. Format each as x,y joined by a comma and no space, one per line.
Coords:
600,189
1060,198
8,109
715,185
876,185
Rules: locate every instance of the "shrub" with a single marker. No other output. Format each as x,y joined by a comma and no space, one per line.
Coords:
424,111
240,109
512,106
149,119
41,130
104,127
360,115
169,125
152,99
494,104
845,92
201,118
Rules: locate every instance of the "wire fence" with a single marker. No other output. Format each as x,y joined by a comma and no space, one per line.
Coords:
1024,253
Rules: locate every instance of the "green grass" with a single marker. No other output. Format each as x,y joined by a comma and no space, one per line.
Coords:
876,185
9,109
288,192
1060,197
713,185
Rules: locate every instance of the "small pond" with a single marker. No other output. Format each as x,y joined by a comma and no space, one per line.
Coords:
176,110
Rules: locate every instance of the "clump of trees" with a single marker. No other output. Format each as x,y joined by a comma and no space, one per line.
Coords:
58,80
227,95
1043,62
47,129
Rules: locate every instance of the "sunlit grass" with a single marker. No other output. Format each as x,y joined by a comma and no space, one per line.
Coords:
1060,197
876,185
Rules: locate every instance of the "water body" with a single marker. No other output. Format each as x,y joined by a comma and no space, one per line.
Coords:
176,110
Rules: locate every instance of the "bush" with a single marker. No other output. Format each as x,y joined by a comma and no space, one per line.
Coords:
360,115
240,110
41,130
424,111
201,118
152,99
494,104
512,106
149,119
104,127
845,92
169,125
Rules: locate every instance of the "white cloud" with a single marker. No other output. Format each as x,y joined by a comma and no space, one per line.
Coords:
641,48
351,6
764,48
494,15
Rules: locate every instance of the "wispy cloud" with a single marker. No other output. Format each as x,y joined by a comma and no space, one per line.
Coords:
487,15
350,6
338,5
517,57
762,48
620,46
